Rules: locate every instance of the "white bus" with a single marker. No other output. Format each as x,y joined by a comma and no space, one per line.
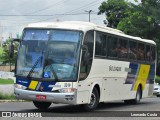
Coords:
76,62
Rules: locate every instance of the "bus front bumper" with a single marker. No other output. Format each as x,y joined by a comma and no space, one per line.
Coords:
66,98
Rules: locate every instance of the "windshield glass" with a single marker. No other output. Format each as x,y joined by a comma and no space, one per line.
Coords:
51,54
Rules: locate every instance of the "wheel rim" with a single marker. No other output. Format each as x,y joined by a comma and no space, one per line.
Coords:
92,100
138,96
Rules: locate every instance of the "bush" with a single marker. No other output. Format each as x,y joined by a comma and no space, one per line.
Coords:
157,79
7,96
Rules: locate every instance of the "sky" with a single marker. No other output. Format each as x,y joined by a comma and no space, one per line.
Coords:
16,14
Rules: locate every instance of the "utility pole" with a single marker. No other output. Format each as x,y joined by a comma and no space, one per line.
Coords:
89,12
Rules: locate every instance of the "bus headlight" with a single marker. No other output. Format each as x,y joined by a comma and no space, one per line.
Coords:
67,90
20,86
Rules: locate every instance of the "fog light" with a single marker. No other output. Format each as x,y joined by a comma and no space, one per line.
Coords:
69,97
67,90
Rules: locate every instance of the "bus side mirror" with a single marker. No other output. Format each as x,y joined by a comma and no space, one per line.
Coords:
11,50
11,47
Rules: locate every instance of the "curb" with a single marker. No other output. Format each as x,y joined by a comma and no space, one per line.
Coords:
13,101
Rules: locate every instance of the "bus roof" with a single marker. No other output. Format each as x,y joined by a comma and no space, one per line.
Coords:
85,26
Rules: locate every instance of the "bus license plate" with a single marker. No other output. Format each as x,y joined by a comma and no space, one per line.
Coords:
40,97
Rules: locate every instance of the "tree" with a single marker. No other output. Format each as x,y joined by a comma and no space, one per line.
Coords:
142,20
5,55
114,10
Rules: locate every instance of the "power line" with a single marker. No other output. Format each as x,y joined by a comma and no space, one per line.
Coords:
43,15
22,4
71,11
13,21
55,15
84,7
48,7
88,6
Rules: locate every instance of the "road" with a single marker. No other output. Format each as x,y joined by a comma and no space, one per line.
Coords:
149,106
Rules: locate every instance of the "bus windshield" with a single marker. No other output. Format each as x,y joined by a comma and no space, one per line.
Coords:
51,54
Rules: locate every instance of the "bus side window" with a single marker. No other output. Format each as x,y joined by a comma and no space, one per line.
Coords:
87,55
153,54
132,50
113,47
140,52
148,53
123,49
100,49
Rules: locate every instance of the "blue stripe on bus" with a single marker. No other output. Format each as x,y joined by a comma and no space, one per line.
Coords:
46,87
151,75
23,81
132,75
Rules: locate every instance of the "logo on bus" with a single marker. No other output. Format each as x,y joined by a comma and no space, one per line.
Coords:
46,75
114,68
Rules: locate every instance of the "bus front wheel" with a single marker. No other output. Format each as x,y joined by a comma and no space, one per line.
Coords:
41,105
94,100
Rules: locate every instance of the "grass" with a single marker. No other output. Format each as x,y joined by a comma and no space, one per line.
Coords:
6,81
7,96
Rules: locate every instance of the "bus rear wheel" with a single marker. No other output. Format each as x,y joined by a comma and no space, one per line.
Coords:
137,99
94,101
41,105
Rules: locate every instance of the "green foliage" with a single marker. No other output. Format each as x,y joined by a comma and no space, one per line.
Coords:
6,81
115,11
157,79
1,50
5,55
142,20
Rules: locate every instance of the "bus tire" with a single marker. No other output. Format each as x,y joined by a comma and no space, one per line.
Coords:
137,98
41,105
94,101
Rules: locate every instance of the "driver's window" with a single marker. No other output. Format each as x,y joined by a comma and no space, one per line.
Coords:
87,55
22,56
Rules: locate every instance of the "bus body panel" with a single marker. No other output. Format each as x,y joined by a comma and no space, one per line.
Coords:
119,79
85,88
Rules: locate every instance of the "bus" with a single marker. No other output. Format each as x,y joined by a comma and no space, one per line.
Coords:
81,63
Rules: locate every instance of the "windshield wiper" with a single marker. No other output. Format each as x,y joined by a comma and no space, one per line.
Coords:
54,73
35,64
52,69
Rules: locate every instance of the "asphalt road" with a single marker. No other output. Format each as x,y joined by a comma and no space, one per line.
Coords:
148,106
